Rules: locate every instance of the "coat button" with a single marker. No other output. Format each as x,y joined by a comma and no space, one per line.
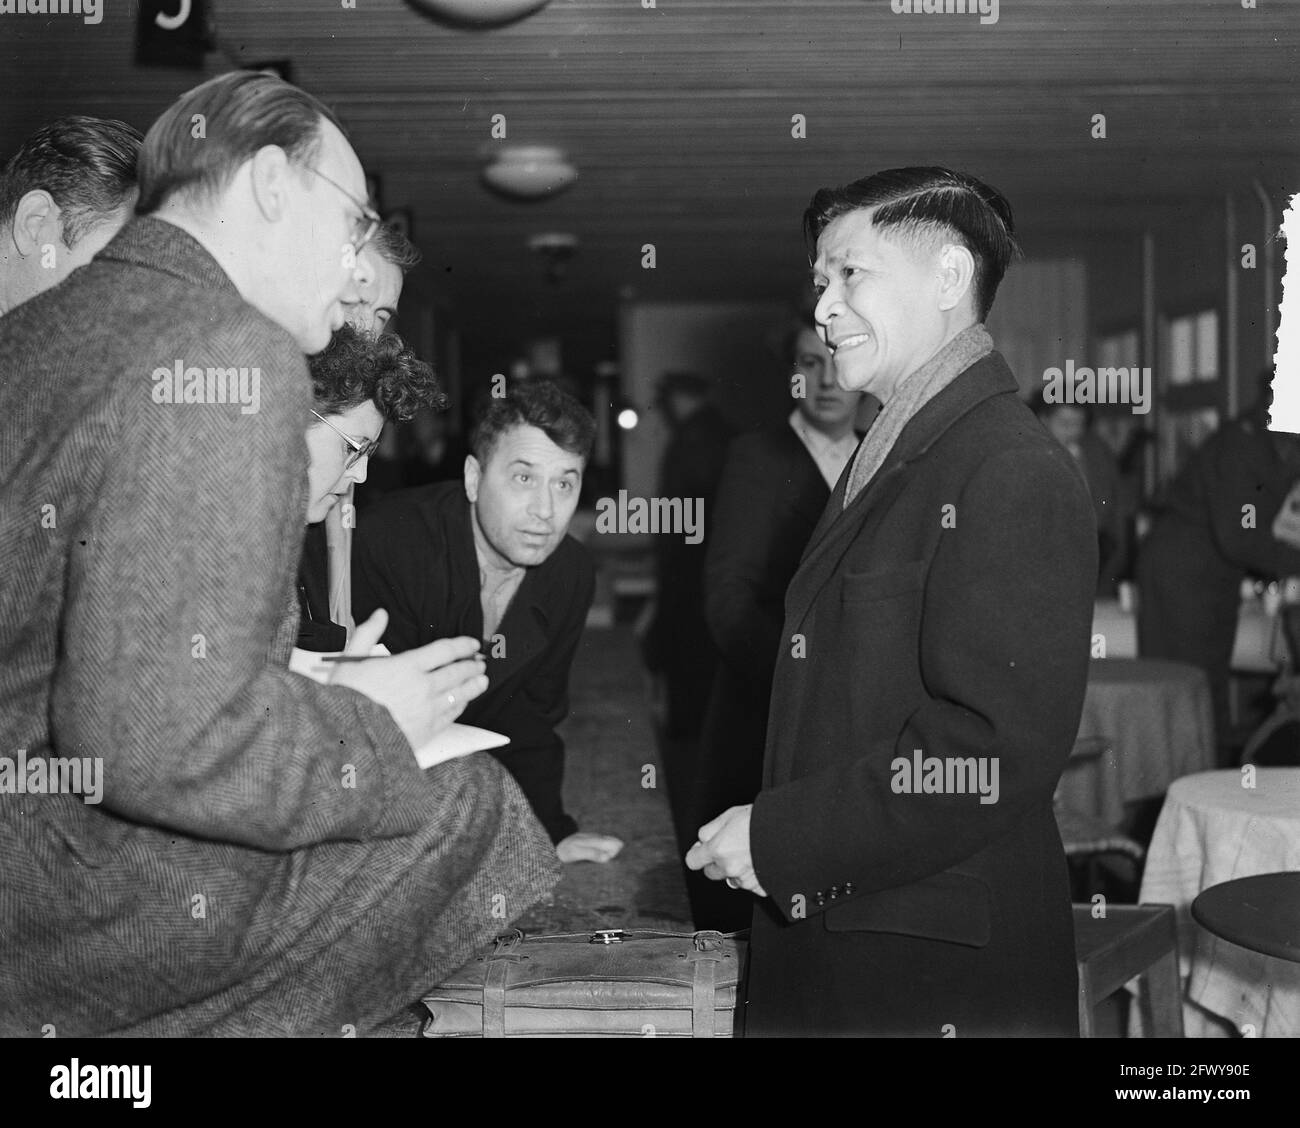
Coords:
848,888
834,892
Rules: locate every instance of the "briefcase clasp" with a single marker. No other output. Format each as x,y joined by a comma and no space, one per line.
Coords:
607,936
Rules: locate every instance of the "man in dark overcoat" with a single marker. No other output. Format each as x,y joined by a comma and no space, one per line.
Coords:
910,875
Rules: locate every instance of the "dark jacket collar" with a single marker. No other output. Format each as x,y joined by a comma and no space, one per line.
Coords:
987,377
159,245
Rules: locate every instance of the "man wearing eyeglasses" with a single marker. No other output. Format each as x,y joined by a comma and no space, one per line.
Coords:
264,855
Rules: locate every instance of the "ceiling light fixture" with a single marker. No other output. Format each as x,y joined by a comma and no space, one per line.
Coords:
478,13
529,172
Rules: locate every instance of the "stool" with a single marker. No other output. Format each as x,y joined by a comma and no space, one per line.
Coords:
1131,940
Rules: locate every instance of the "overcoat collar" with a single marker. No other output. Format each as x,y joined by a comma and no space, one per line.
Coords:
159,245
984,379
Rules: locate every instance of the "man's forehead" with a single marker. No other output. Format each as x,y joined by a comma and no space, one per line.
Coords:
852,232
338,159
527,443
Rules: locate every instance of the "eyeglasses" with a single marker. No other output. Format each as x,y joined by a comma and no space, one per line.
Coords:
369,222
356,451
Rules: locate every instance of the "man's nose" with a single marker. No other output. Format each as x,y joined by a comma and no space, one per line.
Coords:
543,504
358,470
826,307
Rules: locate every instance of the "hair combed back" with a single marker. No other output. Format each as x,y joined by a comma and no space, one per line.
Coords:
86,164
199,142
539,403
356,367
925,202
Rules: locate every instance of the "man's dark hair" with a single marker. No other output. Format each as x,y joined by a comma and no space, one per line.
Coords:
922,205
241,112
396,248
356,367
86,164
539,403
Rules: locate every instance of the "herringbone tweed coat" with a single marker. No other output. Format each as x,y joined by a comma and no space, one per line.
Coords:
267,858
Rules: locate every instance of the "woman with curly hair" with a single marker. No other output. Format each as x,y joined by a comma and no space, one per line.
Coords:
359,383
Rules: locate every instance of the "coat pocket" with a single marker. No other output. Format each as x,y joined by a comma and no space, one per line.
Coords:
882,583
948,906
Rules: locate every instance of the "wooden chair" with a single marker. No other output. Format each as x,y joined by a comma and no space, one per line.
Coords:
1130,941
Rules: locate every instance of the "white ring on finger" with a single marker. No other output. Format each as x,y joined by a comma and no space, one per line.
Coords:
451,700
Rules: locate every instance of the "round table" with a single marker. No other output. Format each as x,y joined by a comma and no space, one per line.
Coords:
1216,827
1261,913
1158,720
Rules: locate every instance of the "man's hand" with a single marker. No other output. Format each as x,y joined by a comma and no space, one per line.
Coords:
424,689
723,851
583,847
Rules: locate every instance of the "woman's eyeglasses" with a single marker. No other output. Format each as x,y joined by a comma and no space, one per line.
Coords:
356,451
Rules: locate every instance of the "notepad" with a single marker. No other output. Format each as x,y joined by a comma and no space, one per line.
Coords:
454,741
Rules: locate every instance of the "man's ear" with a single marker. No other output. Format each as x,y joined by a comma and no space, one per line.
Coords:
956,275
269,173
37,221
473,472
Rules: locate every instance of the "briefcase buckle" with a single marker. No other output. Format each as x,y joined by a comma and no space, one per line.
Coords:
708,941
607,936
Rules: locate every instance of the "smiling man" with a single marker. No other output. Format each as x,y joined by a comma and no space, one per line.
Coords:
490,558
943,604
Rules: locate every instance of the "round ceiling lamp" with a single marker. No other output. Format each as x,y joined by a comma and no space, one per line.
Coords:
478,13
529,172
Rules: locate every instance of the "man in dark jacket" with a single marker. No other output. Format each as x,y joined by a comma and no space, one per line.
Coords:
773,490
1214,528
490,558
933,660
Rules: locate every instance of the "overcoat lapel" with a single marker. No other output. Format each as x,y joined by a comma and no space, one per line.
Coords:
838,526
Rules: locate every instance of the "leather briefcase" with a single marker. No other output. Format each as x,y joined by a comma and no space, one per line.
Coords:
605,984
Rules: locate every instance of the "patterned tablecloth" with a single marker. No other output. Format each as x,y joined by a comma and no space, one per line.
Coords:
1216,827
1159,721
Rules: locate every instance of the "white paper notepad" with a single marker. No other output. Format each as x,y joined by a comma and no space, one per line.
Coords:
455,740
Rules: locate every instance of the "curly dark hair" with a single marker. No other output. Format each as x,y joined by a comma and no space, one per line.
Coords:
357,366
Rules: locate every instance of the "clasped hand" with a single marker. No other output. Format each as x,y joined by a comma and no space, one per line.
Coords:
723,851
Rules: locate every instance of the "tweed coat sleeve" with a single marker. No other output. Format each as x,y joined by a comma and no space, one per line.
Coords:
1004,592
173,669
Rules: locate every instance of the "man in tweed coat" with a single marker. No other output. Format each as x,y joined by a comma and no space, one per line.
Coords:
264,856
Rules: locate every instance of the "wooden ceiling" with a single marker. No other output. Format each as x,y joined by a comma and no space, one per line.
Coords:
679,120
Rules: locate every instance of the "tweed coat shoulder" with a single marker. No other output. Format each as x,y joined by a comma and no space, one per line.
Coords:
944,616
266,856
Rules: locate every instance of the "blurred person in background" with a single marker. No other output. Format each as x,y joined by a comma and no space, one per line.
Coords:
1213,528
676,646
1070,425
774,487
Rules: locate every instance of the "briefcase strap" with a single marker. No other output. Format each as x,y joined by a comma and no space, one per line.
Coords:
494,998
703,993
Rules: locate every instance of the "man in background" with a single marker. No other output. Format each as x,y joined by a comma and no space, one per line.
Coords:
676,647
490,558
63,196
774,488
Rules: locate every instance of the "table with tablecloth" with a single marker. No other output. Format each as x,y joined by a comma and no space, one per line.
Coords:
1158,720
1217,826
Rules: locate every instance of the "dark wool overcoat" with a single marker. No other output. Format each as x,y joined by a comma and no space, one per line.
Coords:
948,609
